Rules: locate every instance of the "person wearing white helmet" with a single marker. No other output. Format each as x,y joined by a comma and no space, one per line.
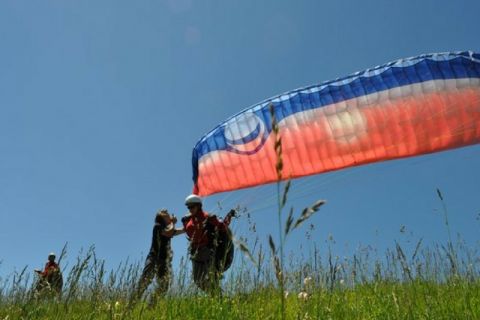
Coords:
51,277
205,232
192,200
159,259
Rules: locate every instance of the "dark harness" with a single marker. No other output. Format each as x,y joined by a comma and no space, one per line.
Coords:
220,241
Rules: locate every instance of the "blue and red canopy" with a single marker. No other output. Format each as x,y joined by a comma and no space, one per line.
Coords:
404,108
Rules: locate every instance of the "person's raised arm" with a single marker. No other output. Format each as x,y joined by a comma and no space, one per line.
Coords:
177,232
172,232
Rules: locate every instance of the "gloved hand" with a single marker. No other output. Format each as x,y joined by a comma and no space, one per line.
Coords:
232,213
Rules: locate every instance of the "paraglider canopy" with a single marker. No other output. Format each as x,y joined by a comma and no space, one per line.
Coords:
404,108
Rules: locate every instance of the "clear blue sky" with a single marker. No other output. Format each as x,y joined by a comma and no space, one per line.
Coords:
101,103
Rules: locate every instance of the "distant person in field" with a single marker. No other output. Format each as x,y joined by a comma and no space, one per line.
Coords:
211,248
159,259
50,278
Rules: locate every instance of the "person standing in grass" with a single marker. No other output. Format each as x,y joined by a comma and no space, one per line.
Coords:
211,249
159,259
51,277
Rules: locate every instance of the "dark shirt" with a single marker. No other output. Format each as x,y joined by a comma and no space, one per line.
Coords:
160,244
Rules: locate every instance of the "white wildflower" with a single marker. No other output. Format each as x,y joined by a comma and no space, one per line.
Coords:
303,295
307,281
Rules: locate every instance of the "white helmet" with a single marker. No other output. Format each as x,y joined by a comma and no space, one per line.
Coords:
193,199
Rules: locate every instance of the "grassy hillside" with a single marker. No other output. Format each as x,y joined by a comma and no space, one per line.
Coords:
378,300
426,284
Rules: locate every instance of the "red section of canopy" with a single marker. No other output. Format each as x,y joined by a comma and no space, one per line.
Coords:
350,134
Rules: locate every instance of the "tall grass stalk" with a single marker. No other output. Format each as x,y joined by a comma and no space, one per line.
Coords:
290,224
279,171
450,250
